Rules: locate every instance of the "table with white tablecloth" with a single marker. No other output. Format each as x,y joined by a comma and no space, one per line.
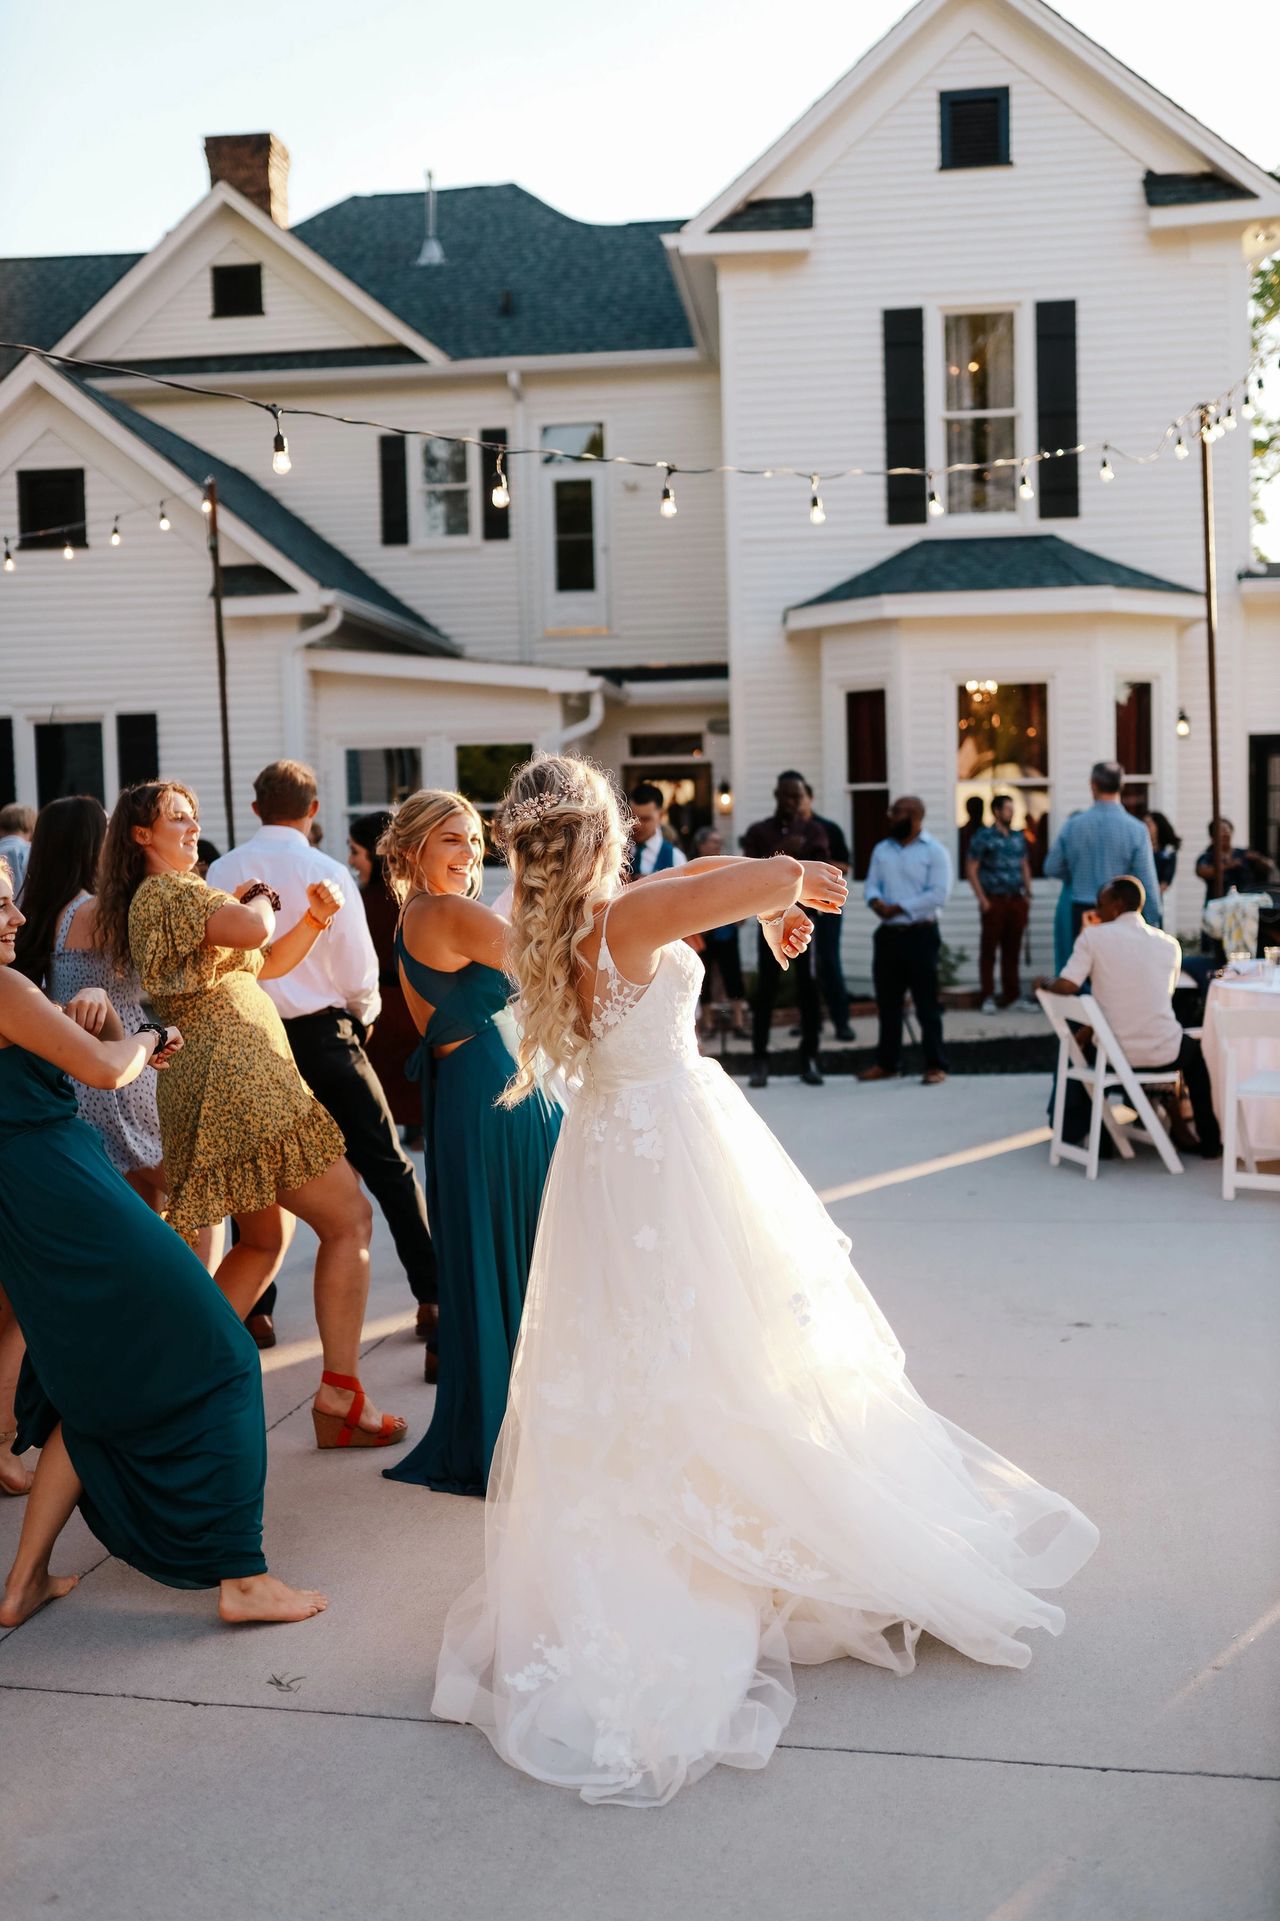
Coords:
1262,1118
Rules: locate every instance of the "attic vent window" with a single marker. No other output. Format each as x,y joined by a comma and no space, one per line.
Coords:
974,127
236,291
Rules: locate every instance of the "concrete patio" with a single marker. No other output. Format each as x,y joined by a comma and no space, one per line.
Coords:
1117,1339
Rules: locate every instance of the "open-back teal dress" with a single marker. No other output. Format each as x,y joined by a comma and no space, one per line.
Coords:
130,1344
486,1167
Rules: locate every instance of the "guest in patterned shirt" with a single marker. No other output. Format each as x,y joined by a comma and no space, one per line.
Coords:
999,871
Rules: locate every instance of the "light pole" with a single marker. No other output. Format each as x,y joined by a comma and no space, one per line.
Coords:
1211,634
215,559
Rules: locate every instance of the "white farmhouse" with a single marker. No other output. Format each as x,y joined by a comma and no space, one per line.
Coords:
988,241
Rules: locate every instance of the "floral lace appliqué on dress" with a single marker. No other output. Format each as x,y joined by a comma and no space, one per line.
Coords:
712,1464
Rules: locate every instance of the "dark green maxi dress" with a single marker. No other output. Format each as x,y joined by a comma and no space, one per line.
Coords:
130,1344
486,1167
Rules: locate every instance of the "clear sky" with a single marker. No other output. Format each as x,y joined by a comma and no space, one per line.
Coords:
608,111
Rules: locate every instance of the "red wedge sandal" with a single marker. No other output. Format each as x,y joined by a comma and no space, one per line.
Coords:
344,1430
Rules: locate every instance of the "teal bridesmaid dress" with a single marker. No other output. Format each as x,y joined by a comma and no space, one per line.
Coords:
130,1344
486,1167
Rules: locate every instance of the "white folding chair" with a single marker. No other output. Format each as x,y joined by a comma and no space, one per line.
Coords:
1108,1072
1235,1025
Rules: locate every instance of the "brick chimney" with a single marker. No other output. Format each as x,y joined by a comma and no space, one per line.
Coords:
257,165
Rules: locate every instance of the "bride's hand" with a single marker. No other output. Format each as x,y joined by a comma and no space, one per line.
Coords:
787,935
824,887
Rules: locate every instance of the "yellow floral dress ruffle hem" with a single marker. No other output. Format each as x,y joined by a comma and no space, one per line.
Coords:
209,1194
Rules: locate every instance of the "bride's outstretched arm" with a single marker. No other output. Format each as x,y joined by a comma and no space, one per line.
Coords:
647,917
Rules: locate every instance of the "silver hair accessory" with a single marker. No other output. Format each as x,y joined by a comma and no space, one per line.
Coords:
521,812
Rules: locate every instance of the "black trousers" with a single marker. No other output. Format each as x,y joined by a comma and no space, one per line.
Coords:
768,975
905,960
329,1050
826,946
1078,1107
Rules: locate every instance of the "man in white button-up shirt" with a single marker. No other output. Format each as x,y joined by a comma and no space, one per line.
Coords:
328,1003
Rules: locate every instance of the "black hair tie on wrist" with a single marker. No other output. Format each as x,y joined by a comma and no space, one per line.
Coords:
154,1027
256,892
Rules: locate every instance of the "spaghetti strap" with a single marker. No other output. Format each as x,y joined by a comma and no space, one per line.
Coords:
612,994
68,915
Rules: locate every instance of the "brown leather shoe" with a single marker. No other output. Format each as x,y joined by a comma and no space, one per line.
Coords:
933,1077
263,1329
427,1320
878,1073
431,1367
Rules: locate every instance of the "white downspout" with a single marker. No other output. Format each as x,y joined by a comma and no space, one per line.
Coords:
293,683
580,728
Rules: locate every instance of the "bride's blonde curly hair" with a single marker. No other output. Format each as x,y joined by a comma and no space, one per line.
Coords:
406,833
561,825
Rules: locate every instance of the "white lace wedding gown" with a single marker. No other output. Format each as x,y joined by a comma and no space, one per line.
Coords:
712,1463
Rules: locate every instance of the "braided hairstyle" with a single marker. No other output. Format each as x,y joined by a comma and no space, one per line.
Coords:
561,825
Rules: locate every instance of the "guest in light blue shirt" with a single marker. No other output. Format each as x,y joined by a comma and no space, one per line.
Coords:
907,886
1099,845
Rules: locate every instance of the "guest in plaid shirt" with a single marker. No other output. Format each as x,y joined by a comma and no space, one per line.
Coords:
999,871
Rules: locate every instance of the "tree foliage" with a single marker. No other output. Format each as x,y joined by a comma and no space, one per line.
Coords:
1265,316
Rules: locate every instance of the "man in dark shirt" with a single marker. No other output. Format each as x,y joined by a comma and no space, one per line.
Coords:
827,931
1241,867
790,829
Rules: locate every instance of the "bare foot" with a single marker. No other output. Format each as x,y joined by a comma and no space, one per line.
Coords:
23,1598
261,1597
14,1478
337,1400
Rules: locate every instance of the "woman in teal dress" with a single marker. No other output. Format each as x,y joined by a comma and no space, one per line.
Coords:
486,1166
140,1385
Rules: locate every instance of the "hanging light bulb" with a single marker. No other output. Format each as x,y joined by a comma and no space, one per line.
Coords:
1247,408
9,562
667,505
1183,726
206,505
934,504
501,493
1181,449
1106,471
817,512
165,522
280,461
1229,421
116,535
1025,490
68,551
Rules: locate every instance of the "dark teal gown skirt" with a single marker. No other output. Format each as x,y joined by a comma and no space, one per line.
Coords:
130,1344
486,1167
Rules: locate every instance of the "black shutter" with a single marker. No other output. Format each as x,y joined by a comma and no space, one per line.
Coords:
496,521
904,413
393,483
1056,422
8,774
137,748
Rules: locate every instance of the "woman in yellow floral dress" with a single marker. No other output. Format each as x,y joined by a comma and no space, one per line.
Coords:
242,1133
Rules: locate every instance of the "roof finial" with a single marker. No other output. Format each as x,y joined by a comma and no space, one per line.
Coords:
431,253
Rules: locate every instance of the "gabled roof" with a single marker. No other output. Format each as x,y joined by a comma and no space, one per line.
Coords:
277,524
41,299
991,564
1064,41
781,213
519,278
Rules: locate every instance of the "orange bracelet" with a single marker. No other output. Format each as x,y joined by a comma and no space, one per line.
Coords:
323,925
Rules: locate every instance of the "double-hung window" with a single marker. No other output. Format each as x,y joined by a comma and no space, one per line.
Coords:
979,413
446,490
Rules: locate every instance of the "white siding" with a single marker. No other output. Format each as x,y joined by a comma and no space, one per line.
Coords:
664,578
171,312
801,352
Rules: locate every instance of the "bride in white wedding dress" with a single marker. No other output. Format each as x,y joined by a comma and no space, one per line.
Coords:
712,1463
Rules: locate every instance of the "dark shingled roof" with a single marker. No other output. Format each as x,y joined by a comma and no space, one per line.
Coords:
326,564
518,277
782,214
991,564
1190,189
302,358
41,299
